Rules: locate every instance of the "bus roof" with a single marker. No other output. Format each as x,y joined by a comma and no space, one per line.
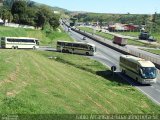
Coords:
21,37
140,61
146,64
69,41
76,42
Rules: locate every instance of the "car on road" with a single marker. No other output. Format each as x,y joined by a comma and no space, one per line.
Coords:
84,38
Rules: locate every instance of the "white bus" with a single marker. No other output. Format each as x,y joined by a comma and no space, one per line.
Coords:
76,47
139,69
19,42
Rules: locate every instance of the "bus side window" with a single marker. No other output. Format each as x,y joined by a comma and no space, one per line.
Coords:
69,44
76,45
58,43
62,44
90,47
137,67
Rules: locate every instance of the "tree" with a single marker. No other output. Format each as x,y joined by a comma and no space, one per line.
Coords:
30,3
16,18
40,19
18,7
26,12
31,12
6,15
8,3
44,16
54,22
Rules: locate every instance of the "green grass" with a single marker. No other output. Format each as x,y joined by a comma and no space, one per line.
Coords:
32,83
55,36
87,29
133,34
44,37
153,51
156,36
142,44
90,30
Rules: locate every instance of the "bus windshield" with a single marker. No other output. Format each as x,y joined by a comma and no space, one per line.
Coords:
37,42
92,48
148,72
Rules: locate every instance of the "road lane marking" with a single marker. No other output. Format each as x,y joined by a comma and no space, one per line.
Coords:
158,90
141,90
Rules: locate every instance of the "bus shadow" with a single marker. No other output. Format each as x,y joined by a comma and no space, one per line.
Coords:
132,81
112,77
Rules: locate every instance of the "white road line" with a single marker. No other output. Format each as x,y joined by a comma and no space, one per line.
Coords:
138,87
149,96
157,90
142,90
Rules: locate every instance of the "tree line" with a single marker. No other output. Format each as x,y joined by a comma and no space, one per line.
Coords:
29,13
152,22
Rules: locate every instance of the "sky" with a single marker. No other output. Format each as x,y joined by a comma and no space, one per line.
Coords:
107,6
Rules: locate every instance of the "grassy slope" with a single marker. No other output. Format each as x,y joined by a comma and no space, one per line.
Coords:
20,32
32,83
90,30
153,51
45,39
134,34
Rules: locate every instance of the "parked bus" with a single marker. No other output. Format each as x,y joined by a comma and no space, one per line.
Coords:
76,47
139,69
19,42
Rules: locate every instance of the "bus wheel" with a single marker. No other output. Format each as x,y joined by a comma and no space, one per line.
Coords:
16,47
67,51
87,53
123,71
13,47
34,47
63,50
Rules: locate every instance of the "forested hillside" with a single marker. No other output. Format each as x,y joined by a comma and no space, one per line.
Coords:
29,13
152,21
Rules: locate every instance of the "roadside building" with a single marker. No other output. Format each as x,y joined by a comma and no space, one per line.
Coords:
123,27
131,27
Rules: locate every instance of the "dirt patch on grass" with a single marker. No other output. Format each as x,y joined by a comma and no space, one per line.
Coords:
97,104
11,77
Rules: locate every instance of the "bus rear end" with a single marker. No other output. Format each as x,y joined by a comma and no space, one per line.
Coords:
37,43
3,43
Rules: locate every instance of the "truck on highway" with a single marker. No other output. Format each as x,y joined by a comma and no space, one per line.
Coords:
71,24
120,40
146,36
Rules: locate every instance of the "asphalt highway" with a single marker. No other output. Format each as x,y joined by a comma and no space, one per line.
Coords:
110,57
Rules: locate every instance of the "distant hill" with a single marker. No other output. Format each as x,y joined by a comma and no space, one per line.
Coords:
60,9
